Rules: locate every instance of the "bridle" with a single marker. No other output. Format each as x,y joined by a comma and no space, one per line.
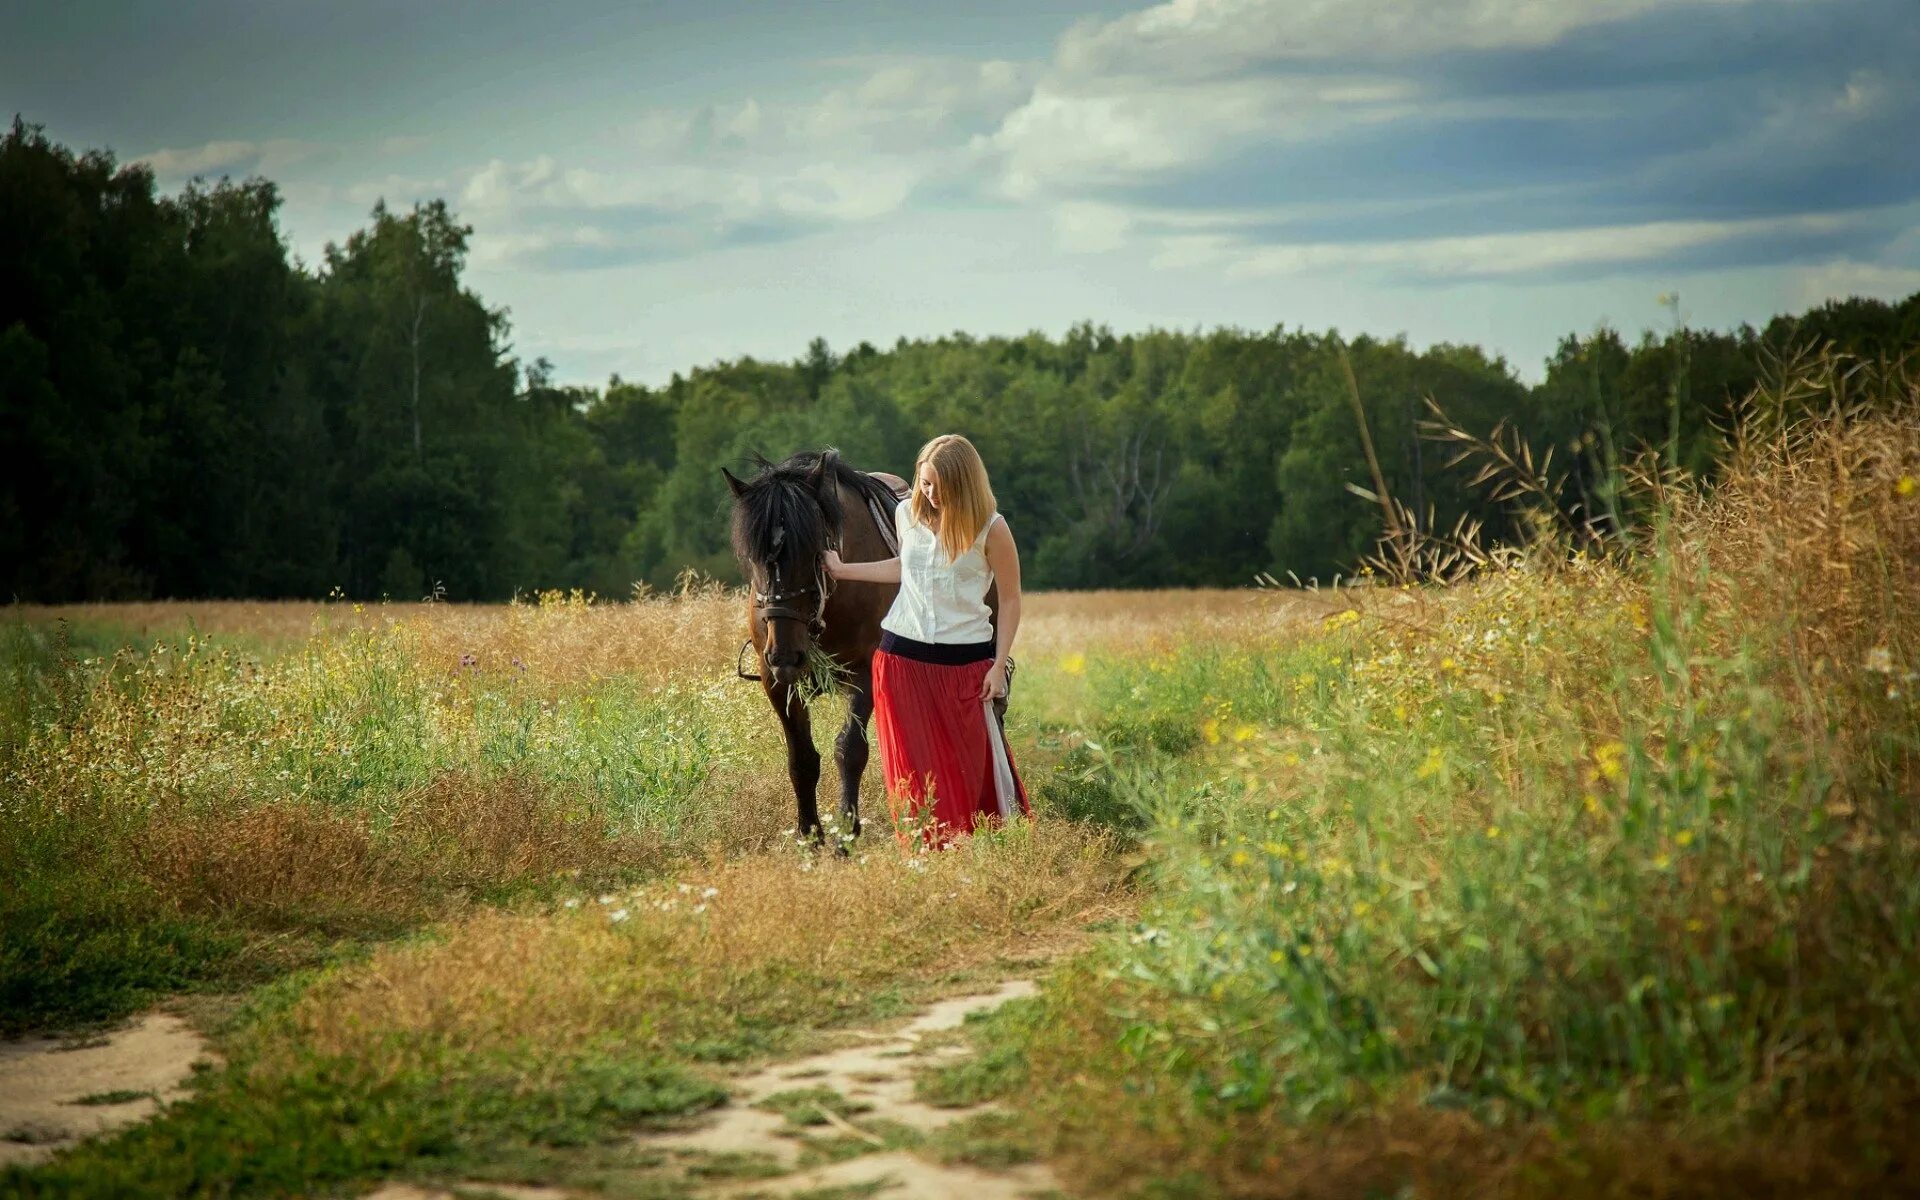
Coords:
777,605
781,602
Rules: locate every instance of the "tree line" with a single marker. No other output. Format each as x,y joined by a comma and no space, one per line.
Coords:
188,411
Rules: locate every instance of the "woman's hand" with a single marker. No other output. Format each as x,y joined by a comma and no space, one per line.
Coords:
887,570
994,685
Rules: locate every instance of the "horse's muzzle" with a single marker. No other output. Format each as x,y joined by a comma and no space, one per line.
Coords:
784,666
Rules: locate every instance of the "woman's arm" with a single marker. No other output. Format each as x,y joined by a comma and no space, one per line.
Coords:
887,570
1004,559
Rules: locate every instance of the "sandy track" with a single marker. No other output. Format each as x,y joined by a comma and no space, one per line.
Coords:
42,1081
876,1071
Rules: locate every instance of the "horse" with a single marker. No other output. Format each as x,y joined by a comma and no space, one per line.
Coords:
784,521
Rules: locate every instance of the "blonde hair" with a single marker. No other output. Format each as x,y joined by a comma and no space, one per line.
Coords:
966,498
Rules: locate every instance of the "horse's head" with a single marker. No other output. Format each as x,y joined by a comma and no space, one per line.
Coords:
784,521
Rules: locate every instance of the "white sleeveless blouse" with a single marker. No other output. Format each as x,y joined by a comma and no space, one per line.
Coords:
940,601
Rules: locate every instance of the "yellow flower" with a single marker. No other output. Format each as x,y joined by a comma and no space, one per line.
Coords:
1607,758
1493,831
1434,764
1243,733
1361,908
1210,729
1683,838
1661,862
1241,858
1074,664
1905,487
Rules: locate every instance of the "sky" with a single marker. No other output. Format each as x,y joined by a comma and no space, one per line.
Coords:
655,186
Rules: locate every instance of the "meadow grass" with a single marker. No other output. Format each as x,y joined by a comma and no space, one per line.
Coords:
504,886
1585,877
1589,877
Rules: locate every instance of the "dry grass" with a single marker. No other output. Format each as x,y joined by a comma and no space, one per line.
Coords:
733,954
302,865
1055,624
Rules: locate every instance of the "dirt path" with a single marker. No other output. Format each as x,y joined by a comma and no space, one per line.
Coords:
55,1092
875,1075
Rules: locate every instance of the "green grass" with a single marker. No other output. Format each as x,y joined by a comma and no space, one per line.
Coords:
993,1140
1532,863
120,1096
996,1069
807,1107
331,1122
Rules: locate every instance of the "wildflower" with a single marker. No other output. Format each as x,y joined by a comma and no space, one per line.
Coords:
469,660
698,909
1241,858
1242,733
1607,757
617,915
1905,487
1210,729
1074,664
1695,924
1661,862
1879,661
709,893
1493,832
607,899
1434,764
1683,838
1361,908
573,903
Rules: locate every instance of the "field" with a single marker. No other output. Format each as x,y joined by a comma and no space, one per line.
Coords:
1588,876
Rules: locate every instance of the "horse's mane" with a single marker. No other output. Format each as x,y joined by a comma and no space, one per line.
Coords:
781,521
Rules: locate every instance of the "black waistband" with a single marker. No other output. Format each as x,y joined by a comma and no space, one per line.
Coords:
942,654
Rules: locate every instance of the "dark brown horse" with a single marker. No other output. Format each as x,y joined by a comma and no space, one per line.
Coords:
784,521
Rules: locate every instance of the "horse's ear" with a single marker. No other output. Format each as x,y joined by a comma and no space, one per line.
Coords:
734,485
823,472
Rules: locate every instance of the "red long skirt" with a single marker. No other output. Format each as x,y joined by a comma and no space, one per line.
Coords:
943,757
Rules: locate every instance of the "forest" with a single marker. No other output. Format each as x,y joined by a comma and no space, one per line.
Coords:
188,411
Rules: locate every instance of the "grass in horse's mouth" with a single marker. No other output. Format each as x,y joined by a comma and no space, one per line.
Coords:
821,675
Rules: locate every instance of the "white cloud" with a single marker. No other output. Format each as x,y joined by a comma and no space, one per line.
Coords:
1089,228
1064,138
1506,254
1200,38
268,158
1846,277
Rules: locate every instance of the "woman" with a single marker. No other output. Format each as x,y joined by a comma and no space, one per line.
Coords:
942,662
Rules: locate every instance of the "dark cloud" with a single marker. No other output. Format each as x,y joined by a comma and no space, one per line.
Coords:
1695,113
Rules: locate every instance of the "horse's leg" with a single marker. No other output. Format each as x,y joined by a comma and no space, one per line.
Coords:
850,749
803,761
